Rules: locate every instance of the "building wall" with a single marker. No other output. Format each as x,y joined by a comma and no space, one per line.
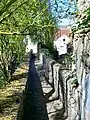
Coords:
30,45
61,44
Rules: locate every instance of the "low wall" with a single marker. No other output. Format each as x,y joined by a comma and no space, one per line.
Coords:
62,80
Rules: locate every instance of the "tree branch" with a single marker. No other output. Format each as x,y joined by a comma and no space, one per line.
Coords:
6,6
12,12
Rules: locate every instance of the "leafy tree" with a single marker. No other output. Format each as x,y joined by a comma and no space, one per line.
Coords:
17,19
84,22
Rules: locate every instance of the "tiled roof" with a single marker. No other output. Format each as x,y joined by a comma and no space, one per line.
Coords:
61,32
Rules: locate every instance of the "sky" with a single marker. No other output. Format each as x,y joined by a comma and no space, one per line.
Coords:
61,10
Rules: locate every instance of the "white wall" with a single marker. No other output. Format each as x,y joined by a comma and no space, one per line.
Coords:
61,44
30,45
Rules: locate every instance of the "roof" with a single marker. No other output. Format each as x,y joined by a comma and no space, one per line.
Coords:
61,32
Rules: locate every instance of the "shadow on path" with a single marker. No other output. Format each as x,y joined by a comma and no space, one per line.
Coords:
34,107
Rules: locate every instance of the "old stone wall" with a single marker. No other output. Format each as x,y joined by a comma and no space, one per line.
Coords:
74,92
81,44
64,92
81,53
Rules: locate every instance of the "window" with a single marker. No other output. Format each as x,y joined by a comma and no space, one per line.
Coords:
64,40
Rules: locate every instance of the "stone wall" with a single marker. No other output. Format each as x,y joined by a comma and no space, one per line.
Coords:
61,79
75,96
81,44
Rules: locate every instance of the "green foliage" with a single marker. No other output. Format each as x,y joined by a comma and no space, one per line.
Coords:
12,50
84,22
1,79
19,17
75,83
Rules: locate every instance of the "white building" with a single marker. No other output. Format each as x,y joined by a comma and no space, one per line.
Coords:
61,44
30,45
61,40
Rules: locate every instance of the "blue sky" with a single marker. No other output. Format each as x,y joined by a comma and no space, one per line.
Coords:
62,17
